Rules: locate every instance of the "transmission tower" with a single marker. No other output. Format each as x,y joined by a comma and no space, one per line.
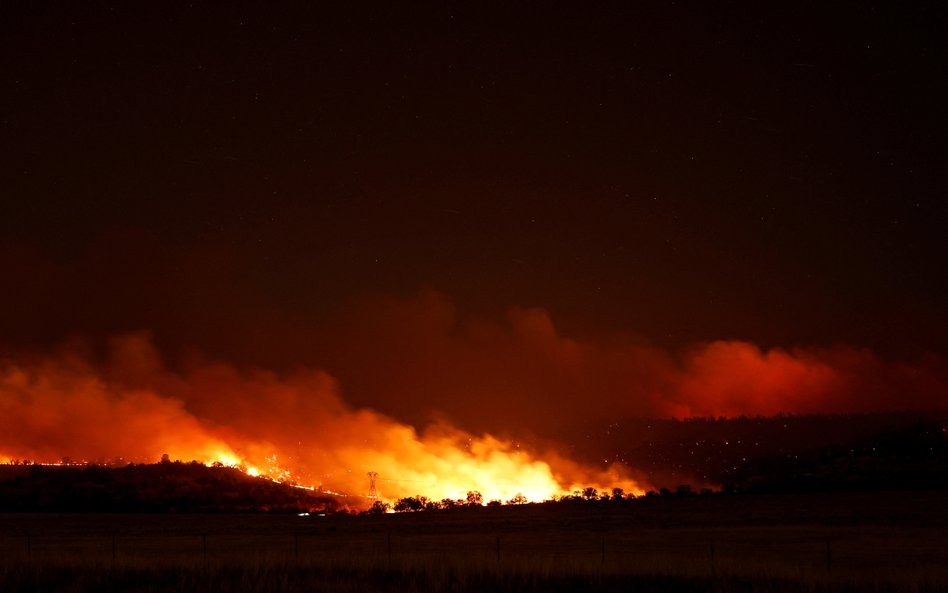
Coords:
373,493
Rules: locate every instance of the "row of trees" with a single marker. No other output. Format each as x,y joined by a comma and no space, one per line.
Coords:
423,503
475,499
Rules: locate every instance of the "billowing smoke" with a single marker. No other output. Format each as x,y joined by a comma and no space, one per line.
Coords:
293,427
418,358
731,378
435,403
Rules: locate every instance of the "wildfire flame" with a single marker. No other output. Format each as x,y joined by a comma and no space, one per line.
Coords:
292,429
408,358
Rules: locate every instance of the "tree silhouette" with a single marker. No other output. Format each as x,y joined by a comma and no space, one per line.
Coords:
410,504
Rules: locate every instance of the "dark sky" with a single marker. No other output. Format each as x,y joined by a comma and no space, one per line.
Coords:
233,180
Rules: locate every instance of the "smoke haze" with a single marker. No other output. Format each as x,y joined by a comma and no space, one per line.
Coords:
418,356
436,404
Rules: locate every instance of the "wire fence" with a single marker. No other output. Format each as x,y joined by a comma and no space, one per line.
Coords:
678,551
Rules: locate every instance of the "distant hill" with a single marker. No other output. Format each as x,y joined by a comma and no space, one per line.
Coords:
910,458
151,488
708,451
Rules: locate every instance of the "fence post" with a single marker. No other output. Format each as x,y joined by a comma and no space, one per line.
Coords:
603,559
29,545
204,545
113,549
711,549
498,549
829,557
388,545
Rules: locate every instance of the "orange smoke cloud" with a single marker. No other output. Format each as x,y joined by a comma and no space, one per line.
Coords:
296,426
404,364
418,358
731,378
64,408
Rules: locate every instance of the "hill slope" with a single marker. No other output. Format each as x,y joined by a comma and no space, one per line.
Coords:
163,487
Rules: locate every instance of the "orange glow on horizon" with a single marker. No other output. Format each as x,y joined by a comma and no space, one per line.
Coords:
292,429
297,428
499,475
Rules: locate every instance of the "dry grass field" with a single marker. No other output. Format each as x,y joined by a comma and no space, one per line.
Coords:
838,542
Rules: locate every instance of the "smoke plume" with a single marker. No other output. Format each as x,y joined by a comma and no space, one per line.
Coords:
292,427
437,404
418,358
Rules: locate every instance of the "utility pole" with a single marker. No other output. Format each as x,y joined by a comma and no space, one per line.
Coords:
373,493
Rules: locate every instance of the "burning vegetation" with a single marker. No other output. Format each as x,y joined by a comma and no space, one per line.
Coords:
294,429
523,378
152,488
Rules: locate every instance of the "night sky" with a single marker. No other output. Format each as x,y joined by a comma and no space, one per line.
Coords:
398,194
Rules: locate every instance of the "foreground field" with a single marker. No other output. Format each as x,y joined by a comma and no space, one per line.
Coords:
855,542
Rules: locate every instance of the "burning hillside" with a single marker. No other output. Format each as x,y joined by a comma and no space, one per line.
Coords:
288,428
151,488
494,390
